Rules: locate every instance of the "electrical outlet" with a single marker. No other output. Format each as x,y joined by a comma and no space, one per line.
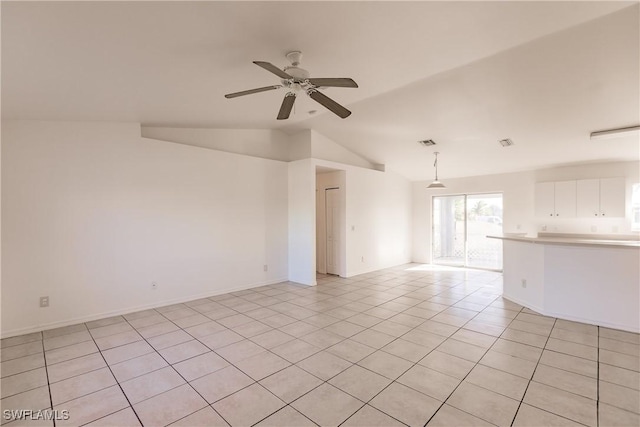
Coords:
524,283
543,228
519,227
594,228
614,229
362,259
154,286
265,267
44,301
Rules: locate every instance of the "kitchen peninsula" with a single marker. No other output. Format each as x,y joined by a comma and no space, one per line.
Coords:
575,277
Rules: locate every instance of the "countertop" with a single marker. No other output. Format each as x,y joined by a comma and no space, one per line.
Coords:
566,240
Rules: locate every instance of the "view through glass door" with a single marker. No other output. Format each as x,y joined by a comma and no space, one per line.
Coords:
460,226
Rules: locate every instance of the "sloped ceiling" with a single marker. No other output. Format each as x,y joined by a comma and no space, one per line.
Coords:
463,73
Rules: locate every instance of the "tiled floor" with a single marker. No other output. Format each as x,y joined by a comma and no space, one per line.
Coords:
410,345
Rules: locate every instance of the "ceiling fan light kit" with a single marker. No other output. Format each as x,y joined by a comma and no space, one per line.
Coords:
296,79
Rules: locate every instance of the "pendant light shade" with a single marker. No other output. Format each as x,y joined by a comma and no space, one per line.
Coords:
436,183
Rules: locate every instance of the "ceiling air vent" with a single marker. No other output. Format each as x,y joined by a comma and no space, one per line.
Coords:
506,142
427,142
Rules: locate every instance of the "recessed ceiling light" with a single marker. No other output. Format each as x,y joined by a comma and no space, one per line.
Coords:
506,142
427,142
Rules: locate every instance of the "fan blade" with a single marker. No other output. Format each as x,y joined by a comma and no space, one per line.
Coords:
346,82
332,105
250,91
287,106
272,68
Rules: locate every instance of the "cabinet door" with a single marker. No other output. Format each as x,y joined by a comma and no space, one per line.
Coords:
588,198
545,199
565,199
612,197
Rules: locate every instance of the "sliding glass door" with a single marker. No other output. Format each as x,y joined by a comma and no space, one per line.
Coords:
449,230
460,226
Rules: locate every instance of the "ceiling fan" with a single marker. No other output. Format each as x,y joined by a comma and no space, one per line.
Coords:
295,80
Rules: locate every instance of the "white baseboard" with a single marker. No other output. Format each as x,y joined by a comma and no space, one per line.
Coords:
83,319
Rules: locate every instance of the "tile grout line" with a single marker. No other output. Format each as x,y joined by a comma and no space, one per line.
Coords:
343,302
532,375
115,379
176,371
356,363
46,370
465,377
398,337
598,380
254,381
414,363
230,364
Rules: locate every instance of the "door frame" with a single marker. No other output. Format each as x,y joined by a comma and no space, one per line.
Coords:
326,235
466,229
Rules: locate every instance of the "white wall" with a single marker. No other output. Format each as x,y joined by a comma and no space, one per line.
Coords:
518,198
378,218
92,214
265,143
326,180
326,149
300,145
302,222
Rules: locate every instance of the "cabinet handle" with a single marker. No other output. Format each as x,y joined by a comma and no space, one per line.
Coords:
602,213
596,214
550,214
557,214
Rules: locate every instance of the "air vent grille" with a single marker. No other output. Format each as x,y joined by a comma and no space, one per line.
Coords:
427,142
506,142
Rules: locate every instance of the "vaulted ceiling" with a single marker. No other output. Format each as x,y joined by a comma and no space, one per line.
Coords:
466,74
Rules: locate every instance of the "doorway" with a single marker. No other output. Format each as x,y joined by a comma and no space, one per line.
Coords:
330,222
460,226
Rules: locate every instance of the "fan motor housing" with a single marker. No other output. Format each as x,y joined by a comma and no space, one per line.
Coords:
298,74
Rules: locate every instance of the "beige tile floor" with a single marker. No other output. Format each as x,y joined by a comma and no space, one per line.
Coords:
411,345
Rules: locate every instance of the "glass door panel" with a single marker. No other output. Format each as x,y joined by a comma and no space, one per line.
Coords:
460,228
484,217
449,230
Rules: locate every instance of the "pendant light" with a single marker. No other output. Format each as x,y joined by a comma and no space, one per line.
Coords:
436,183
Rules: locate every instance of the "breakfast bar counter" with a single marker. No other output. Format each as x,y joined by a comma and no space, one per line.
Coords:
575,278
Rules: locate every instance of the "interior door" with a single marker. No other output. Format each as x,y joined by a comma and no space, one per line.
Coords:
332,203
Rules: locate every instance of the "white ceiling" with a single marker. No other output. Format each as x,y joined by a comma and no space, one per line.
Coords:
462,73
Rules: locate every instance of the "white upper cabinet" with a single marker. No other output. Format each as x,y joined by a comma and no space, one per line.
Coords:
545,199
612,197
601,198
565,199
556,199
588,191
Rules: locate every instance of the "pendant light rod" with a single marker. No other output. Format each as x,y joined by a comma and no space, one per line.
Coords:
436,183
